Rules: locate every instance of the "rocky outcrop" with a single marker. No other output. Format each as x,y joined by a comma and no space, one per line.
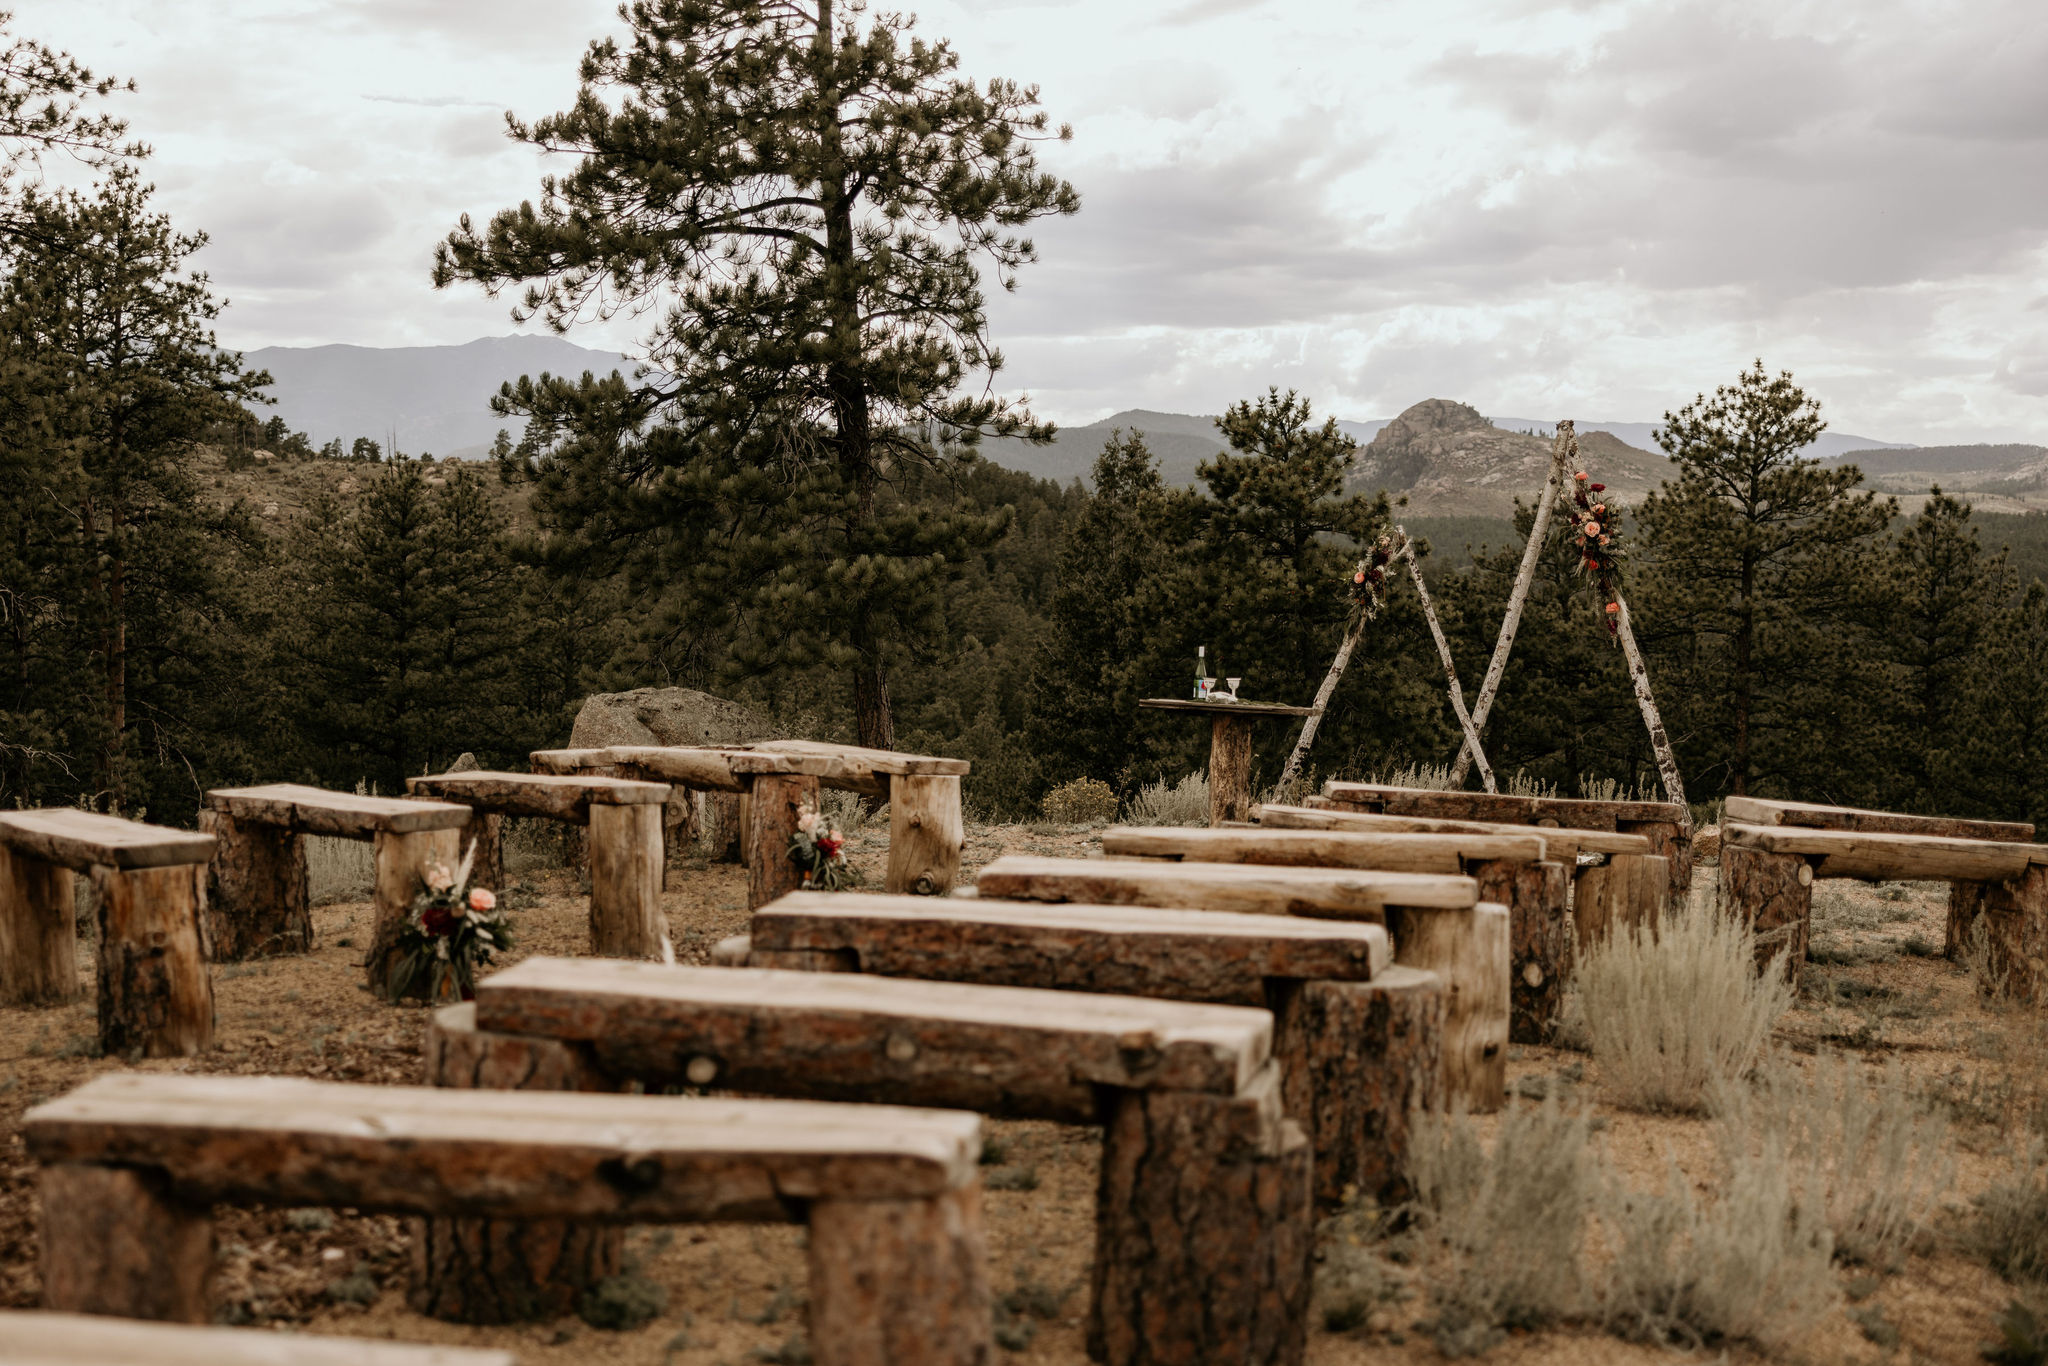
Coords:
665,716
1449,461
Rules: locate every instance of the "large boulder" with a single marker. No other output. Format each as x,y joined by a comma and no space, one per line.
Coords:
665,716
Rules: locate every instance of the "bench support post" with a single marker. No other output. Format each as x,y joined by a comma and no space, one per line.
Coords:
1469,950
401,859
115,1241
1668,842
258,904
155,991
2015,919
925,835
770,812
486,834
38,941
1629,892
1773,894
900,1282
1230,770
1540,963
625,880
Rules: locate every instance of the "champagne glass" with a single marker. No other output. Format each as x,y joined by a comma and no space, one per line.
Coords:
1233,682
1208,688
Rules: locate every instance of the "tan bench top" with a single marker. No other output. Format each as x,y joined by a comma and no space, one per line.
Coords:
1036,1053
553,796
729,768
1129,950
1223,709
346,815
1390,851
1761,811
1577,812
36,1338
1876,856
1338,893
530,1154
80,839
1560,844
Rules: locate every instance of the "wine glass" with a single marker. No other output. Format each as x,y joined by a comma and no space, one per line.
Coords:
1233,682
1208,688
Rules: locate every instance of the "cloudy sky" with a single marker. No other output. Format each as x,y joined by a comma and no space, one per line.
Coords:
1544,209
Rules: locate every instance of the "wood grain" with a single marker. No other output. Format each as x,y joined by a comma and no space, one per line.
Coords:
1469,950
772,808
121,1241
1628,892
1539,941
1230,769
1560,844
926,834
1569,812
258,904
1387,851
80,839
38,939
1343,893
1758,811
625,881
1773,893
900,1281
342,815
155,989
1879,857
549,796
30,1338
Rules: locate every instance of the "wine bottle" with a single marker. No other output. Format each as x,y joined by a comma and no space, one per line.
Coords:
1201,669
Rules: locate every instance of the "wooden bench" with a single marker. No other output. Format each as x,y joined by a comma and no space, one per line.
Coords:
1358,1040
149,896
259,902
624,820
1437,923
1203,1209
36,1338
132,1163
775,778
1667,825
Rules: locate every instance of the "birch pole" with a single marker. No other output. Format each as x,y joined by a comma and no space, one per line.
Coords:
1443,649
1315,718
1563,452
1653,720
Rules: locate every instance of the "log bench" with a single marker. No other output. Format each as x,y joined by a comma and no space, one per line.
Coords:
132,1163
259,902
38,1338
1437,923
623,817
1358,1040
1202,1240
149,896
775,778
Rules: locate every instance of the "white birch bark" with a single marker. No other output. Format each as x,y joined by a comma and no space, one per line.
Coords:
1660,743
1314,720
1443,649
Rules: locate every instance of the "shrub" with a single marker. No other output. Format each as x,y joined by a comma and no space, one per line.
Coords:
622,1303
2012,1220
1185,803
339,869
1352,1279
1084,801
1672,1013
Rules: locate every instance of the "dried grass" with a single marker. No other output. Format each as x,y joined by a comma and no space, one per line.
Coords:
2011,1232
1185,803
1084,801
339,870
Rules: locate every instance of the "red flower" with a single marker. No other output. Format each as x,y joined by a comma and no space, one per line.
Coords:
1599,488
829,845
437,920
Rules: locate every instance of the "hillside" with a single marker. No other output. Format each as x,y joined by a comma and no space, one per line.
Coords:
1449,461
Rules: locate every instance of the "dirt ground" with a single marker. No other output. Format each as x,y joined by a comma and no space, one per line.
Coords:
735,1293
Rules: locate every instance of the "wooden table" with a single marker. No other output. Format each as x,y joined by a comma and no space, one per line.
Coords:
1230,749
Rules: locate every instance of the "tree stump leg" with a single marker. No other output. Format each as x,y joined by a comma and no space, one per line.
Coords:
38,938
155,990
485,834
1773,893
772,808
1469,950
117,1241
2015,918
1230,770
258,903
625,881
926,832
1357,1060
471,1270
1667,841
1965,904
1628,892
900,1282
1539,933
401,859
743,832
1203,1231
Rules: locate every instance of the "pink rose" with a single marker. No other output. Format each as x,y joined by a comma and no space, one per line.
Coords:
482,899
437,878
807,822
1580,475
1592,528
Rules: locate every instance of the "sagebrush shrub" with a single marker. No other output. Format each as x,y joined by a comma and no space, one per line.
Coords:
1185,803
2012,1220
1084,801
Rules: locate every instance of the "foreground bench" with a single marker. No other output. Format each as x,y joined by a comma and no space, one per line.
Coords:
131,1164
31,1338
1202,1217
1437,923
1359,1041
149,895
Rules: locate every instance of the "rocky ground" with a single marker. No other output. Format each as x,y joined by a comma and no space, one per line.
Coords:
735,1293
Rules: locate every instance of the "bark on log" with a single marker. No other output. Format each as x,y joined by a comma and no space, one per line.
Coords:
400,860
900,1282
506,1270
1673,843
772,806
155,990
1653,720
1763,811
1965,904
1539,935
1203,1233
926,832
116,1241
485,834
258,904
1230,770
1357,1059
625,881
1628,892
38,939
2015,916
1469,950
1773,893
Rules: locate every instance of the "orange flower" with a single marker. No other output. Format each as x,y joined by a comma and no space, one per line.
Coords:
1614,607
1580,475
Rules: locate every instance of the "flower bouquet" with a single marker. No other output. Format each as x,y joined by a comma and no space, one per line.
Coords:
452,930
1596,534
819,849
1369,578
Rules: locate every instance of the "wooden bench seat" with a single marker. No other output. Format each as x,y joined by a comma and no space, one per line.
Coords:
1203,1208
132,1162
149,898
1811,815
36,1338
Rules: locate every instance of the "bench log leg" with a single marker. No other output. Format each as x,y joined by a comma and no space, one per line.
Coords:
258,903
401,859
2015,919
1539,934
155,990
1230,770
1203,1231
505,1270
1469,950
38,937
1773,894
1357,1059
900,1282
625,881
1628,892
485,834
773,801
925,835
1965,904
116,1241
1667,841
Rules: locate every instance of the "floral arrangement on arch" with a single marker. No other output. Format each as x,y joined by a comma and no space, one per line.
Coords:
819,850
1369,578
1596,534
452,930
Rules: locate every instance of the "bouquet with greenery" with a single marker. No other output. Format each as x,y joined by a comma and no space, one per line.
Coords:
1596,536
1369,578
452,930
819,849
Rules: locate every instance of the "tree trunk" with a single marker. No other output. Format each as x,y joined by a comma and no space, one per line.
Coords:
1627,893
258,904
1965,904
401,860
772,807
1230,770
485,834
625,881
1443,650
1773,893
1314,719
900,1282
2015,918
1653,720
1469,950
1357,1060
117,1241
38,934
155,992
926,833
1671,842
1539,937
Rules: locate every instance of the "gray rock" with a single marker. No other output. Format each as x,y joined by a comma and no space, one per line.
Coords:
665,716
